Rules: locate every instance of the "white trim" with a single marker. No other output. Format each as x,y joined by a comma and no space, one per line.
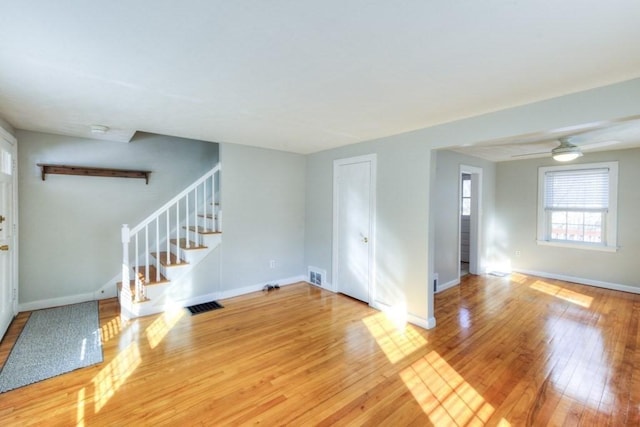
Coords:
431,322
476,258
578,245
410,317
611,226
258,287
56,302
11,139
372,159
581,281
15,217
448,285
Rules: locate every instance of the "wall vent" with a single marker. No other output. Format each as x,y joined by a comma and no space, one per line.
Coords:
316,276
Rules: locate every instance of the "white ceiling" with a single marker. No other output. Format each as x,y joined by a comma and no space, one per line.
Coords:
300,76
590,137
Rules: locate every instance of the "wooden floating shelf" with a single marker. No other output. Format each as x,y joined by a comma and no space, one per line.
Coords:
87,171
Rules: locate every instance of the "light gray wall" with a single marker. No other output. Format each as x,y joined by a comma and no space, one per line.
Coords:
405,169
70,225
402,216
516,223
445,210
262,199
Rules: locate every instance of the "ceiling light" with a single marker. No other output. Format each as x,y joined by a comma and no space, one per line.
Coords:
566,151
99,129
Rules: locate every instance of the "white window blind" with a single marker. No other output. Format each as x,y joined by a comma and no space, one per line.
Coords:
577,206
579,189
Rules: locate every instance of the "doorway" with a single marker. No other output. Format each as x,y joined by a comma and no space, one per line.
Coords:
470,220
8,248
353,226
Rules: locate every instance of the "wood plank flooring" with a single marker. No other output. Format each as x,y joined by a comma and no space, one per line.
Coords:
514,351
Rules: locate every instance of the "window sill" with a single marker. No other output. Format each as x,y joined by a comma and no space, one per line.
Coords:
578,246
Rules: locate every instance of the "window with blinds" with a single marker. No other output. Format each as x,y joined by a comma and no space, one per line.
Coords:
577,204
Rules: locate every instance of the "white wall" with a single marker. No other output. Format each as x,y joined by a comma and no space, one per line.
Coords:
262,199
401,219
406,240
70,225
445,211
516,224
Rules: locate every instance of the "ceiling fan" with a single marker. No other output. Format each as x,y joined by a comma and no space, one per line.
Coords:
568,151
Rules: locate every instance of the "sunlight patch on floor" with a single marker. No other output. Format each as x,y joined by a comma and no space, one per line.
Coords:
162,325
444,395
396,339
562,293
112,376
111,329
518,278
80,408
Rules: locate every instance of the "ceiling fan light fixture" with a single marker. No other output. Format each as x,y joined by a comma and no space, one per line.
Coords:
566,152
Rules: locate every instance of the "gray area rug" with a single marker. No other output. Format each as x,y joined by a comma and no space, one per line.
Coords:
54,341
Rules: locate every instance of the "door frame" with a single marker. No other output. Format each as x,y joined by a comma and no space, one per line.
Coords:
372,159
14,239
476,260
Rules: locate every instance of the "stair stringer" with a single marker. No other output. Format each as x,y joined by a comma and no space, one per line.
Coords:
158,300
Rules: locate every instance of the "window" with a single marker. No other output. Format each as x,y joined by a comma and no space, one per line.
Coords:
466,194
577,206
5,162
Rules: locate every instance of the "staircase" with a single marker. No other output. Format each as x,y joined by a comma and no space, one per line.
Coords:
158,253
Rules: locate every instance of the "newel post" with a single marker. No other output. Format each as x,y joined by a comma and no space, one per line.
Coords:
126,280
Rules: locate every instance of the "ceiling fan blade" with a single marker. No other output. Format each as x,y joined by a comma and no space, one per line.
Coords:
531,154
600,144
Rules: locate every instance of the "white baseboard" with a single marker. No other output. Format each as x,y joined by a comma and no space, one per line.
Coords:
55,302
230,293
326,286
410,317
447,285
581,281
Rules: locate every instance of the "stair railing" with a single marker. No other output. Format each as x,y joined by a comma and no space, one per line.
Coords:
154,232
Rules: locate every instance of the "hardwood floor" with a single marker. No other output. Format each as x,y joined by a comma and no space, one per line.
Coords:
514,351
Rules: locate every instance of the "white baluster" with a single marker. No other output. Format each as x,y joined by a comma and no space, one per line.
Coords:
168,239
137,274
204,205
214,216
195,216
186,219
178,226
146,252
126,281
158,249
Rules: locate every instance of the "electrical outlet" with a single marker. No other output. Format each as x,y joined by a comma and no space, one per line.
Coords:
272,263
518,253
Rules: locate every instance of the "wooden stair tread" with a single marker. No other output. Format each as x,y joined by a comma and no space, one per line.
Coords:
173,259
152,276
183,244
202,230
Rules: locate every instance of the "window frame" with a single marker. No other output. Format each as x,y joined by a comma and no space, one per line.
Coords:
609,226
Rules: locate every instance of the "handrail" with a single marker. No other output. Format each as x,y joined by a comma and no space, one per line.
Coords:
150,227
171,202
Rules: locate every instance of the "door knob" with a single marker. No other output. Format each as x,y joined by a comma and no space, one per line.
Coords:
4,248
2,219
365,240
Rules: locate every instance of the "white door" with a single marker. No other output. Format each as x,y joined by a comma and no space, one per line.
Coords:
354,206
6,235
